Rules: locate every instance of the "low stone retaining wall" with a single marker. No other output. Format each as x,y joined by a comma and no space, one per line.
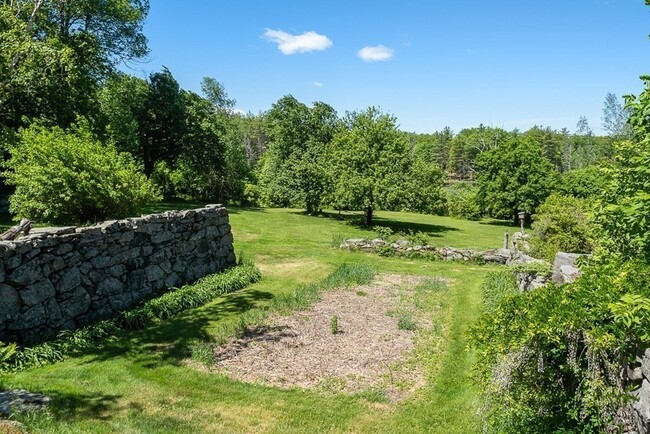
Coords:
65,278
407,248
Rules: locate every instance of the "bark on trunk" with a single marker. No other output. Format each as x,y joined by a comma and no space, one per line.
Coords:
368,216
24,226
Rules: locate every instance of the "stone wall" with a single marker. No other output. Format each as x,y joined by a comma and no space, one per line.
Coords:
65,278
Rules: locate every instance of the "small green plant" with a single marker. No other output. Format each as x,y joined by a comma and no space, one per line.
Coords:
6,352
334,324
497,286
337,240
383,232
361,293
202,352
431,284
405,321
562,224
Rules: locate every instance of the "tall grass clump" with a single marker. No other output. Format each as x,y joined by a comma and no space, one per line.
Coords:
497,286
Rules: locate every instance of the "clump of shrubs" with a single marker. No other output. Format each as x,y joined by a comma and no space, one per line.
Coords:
462,201
70,176
562,224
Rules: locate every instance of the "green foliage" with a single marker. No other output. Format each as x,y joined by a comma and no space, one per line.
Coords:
123,104
55,54
515,176
405,321
163,126
625,206
432,148
189,296
468,144
422,189
7,351
151,312
334,324
294,171
497,286
587,183
550,358
562,224
202,352
369,161
462,201
70,177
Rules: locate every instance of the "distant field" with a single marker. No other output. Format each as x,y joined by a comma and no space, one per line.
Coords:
142,384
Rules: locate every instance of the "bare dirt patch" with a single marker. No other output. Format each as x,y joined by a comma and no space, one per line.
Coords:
369,351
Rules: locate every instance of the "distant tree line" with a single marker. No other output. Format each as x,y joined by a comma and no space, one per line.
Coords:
59,84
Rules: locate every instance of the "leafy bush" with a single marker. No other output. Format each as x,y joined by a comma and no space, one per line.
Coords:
462,202
550,359
625,207
71,177
586,183
562,224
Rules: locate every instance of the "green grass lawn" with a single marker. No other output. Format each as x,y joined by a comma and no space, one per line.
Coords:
141,385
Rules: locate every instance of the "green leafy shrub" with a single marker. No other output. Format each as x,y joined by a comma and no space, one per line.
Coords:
625,207
70,177
562,224
550,359
462,202
586,183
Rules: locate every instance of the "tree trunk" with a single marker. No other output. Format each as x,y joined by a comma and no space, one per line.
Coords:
24,226
368,216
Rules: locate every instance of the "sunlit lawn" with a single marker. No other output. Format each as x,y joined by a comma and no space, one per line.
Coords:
142,385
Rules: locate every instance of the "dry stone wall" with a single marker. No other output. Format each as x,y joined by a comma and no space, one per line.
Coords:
65,278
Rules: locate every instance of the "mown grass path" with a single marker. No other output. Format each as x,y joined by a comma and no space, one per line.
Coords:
142,384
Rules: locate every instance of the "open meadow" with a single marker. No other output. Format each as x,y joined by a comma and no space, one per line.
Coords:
147,382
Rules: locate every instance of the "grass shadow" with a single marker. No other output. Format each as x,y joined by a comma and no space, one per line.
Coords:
69,406
356,220
502,223
168,342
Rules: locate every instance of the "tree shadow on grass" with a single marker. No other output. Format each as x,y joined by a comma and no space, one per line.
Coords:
356,220
503,223
70,406
168,342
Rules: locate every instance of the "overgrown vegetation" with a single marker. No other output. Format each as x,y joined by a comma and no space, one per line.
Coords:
69,176
551,359
562,224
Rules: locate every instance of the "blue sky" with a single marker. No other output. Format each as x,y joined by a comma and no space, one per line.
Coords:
457,63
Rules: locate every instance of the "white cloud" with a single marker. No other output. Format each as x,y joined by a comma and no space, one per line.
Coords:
378,53
316,84
239,111
291,44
